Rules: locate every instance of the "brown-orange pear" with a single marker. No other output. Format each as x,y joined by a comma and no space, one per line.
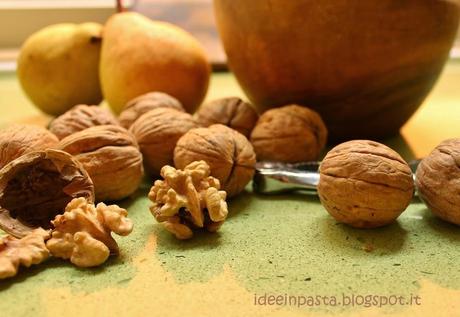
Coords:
140,55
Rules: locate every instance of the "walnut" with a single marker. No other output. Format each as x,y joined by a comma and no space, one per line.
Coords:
188,199
232,112
112,158
289,134
142,104
229,154
157,132
83,233
365,184
438,181
19,139
37,186
28,250
79,118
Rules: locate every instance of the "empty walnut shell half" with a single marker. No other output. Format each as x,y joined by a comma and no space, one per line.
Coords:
438,181
365,184
228,153
157,132
19,139
144,103
112,158
232,112
79,118
289,134
37,186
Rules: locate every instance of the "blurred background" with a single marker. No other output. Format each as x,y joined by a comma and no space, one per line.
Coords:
20,18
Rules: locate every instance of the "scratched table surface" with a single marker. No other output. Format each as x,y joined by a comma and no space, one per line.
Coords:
284,246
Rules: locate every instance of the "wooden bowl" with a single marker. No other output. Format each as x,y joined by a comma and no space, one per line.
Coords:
365,66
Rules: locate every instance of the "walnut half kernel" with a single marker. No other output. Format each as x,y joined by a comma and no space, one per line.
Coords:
83,233
26,251
188,199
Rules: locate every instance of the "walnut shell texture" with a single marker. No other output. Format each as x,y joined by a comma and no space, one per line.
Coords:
144,103
232,112
289,134
157,132
438,181
79,118
228,153
19,139
37,186
112,158
365,184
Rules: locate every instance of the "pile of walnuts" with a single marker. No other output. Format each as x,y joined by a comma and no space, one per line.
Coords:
51,179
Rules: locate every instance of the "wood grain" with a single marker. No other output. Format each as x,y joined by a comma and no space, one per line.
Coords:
366,66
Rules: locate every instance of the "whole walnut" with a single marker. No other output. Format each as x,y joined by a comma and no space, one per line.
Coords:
112,158
438,181
37,186
79,118
144,103
232,112
228,153
289,134
157,132
19,139
365,184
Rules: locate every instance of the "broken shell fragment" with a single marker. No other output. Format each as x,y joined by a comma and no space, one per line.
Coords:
35,187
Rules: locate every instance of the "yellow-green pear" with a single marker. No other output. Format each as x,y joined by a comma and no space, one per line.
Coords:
140,55
58,66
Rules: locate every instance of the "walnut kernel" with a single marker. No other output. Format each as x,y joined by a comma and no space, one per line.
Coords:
157,132
19,139
144,103
289,134
232,112
188,199
365,184
228,153
37,186
112,158
83,233
438,181
26,251
79,118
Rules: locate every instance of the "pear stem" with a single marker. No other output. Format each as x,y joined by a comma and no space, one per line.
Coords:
120,7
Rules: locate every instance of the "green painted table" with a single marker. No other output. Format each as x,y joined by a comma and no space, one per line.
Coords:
283,246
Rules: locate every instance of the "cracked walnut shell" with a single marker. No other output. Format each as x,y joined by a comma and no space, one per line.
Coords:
188,199
365,184
26,251
144,103
228,153
20,139
157,132
289,134
83,233
111,156
37,186
438,181
232,112
79,118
